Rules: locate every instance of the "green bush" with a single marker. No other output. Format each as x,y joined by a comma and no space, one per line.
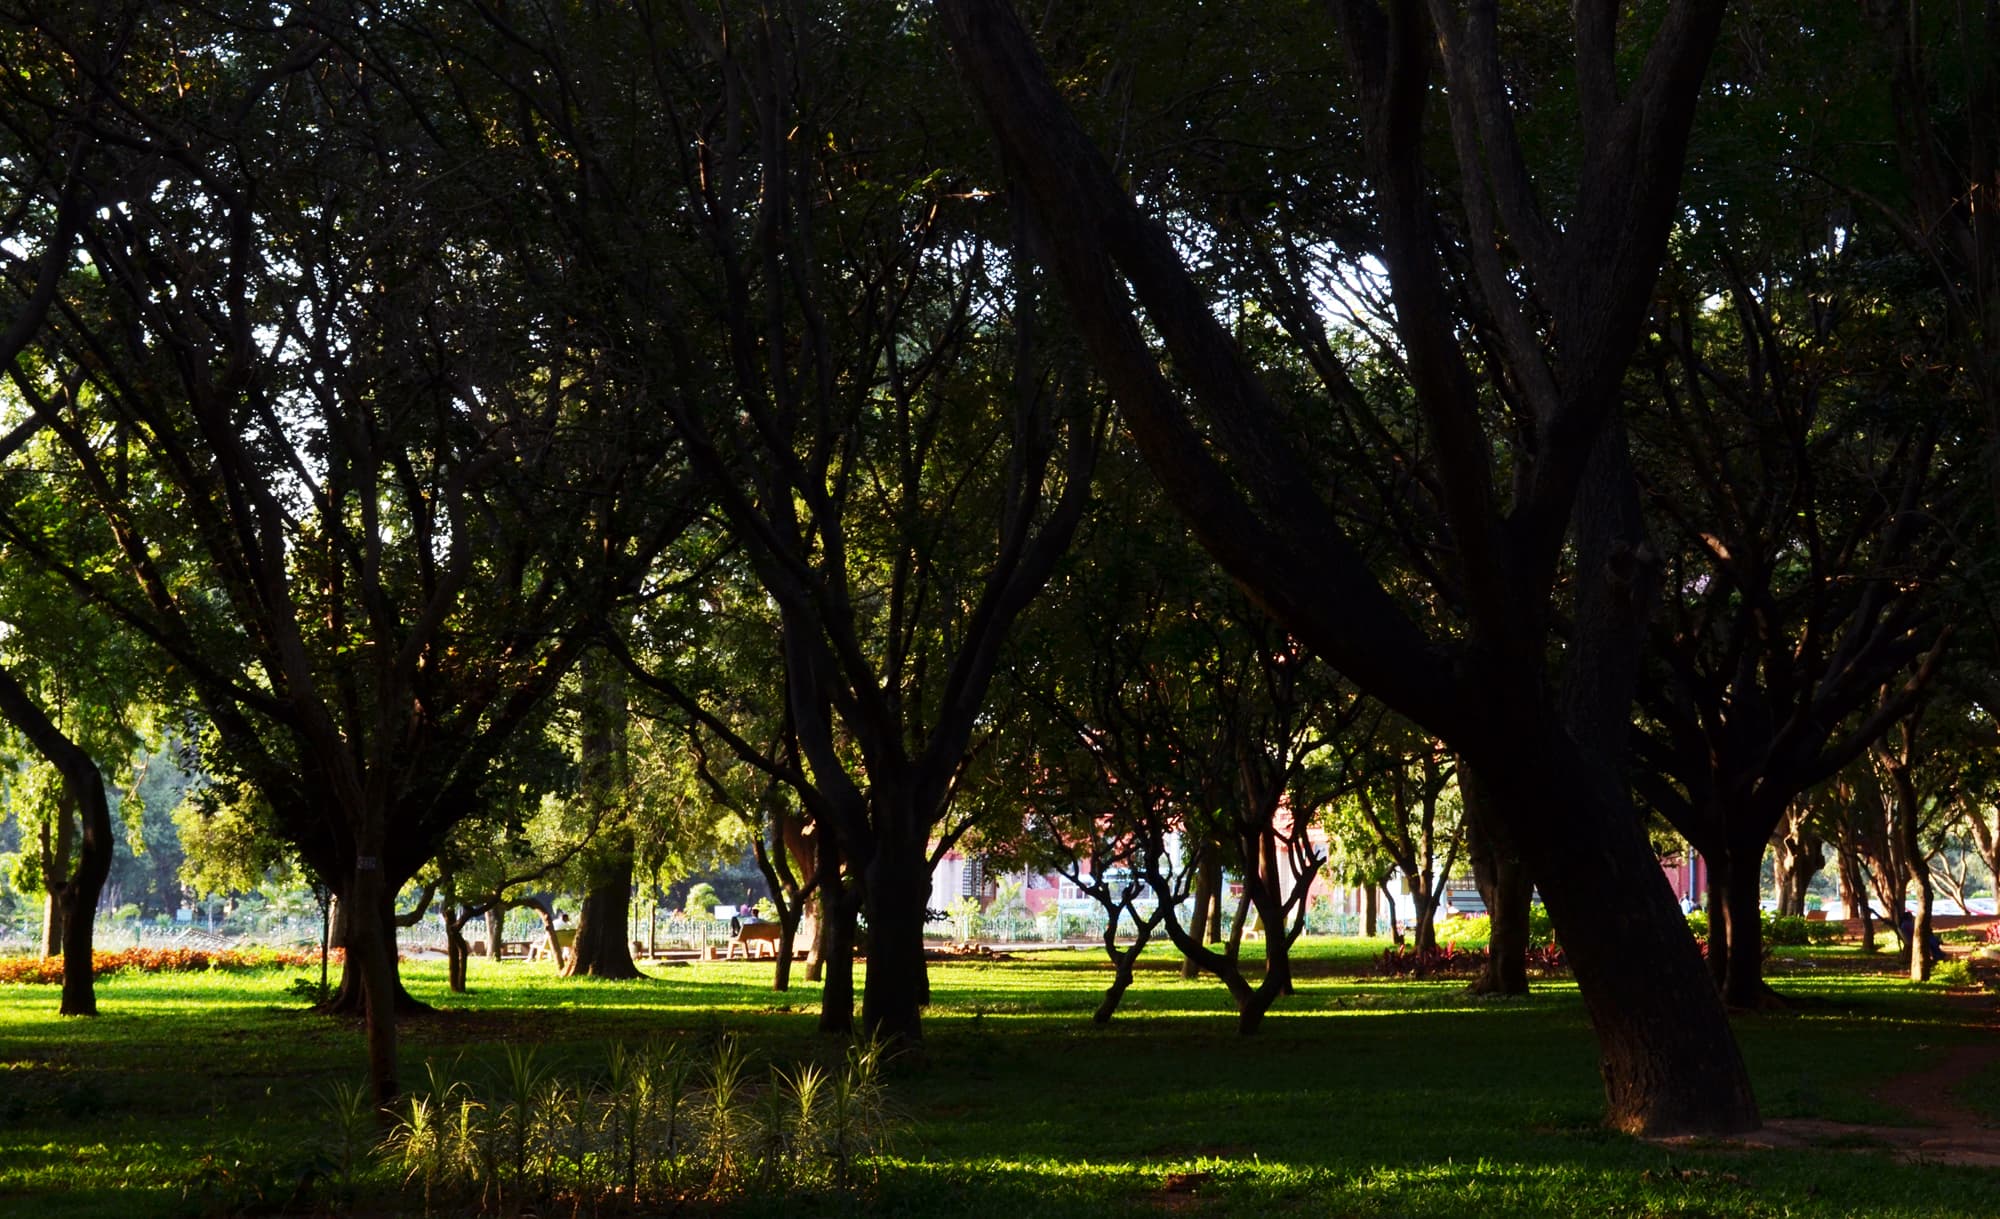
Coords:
1791,930
1478,929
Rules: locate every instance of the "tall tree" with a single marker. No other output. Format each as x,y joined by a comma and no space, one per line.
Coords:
900,442
350,475
1561,256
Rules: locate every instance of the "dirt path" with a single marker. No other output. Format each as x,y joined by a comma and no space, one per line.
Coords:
1946,1131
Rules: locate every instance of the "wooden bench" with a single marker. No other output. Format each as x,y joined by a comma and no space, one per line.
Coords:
554,944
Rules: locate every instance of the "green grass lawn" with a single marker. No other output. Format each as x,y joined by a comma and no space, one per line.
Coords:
1360,1096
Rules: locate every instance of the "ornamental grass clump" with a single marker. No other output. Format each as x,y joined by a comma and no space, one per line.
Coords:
658,1128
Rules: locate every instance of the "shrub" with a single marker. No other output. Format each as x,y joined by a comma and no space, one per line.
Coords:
49,971
1478,929
1451,961
1955,974
1790,929
660,1128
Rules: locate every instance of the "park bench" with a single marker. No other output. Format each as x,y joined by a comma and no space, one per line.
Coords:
554,943
752,934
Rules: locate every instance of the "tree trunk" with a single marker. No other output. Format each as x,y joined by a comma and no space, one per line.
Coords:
1207,899
55,873
80,892
1370,923
838,909
897,985
788,936
1669,1061
1718,916
496,930
1121,981
350,998
1854,892
458,952
71,910
1920,873
371,950
1743,982
603,944
1503,885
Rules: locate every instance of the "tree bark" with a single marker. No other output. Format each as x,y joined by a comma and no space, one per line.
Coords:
371,950
1741,875
838,908
897,986
72,904
55,875
1504,887
603,944
1669,1061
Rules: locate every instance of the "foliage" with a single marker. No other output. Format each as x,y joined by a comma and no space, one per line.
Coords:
659,1126
1790,929
1478,929
38,970
701,900
1449,960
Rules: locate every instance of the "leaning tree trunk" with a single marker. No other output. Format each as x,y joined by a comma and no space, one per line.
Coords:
603,944
1669,1061
788,938
72,905
1207,904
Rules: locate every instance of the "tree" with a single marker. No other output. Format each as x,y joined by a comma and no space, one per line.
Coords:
1796,474
1563,277
357,477
896,440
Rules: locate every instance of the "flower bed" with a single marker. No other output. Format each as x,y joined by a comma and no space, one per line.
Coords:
157,960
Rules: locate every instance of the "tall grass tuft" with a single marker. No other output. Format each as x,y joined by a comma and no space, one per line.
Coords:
658,1128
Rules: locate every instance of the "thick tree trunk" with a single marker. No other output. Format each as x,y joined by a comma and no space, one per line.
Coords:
1718,916
1669,1061
1743,973
79,893
1920,874
350,998
897,986
1504,887
603,944
1370,921
71,909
